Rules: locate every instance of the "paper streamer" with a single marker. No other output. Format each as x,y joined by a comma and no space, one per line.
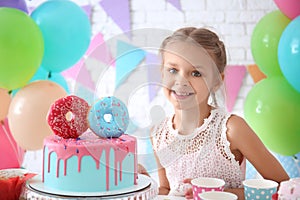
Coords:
234,76
176,4
11,155
255,73
119,11
128,58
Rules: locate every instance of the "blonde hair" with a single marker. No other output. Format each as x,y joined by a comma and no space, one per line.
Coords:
207,39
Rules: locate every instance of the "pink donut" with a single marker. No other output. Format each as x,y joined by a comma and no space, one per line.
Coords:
67,117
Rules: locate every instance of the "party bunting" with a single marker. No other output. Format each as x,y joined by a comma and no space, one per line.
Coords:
176,4
99,50
234,76
128,58
255,73
88,10
119,11
154,77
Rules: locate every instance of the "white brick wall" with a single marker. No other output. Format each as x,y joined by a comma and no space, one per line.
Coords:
233,20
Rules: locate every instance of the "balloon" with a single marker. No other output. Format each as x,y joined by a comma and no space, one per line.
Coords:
21,48
66,30
272,109
11,155
28,111
289,53
18,4
4,103
264,42
42,74
290,8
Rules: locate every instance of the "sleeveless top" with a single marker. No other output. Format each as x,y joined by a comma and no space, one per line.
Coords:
204,153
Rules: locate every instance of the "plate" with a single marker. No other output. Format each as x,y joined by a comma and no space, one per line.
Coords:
36,184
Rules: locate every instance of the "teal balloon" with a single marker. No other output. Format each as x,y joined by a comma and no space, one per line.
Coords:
66,31
289,53
42,74
264,42
272,110
59,79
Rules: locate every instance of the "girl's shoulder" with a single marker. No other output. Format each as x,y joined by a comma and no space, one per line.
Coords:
238,131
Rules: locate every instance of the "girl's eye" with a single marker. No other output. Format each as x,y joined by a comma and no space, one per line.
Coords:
196,74
172,70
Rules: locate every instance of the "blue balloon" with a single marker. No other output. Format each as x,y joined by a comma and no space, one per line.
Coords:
289,53
66,31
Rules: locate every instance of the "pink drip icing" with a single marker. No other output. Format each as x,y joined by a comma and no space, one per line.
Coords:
66,148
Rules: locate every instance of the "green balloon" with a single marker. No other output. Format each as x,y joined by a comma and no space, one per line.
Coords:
272,109
264,42
21,48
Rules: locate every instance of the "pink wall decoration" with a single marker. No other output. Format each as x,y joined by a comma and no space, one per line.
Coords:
234,76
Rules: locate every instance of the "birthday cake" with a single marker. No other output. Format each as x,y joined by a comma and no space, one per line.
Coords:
89,163
89,152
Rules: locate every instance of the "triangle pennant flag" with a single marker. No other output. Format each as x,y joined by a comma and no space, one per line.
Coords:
175,3
154,74
255,73
128,58
99,51
88,10
119,11
234,76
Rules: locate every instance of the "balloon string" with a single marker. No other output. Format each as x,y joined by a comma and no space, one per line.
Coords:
296,160
49,75
15,148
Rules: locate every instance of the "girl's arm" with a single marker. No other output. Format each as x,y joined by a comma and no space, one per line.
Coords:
164,187
243,139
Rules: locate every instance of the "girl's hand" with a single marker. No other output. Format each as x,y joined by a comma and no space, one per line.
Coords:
189,192
142,170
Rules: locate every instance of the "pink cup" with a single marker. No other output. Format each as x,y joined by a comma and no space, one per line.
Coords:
206,184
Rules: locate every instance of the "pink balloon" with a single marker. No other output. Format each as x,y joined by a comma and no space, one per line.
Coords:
27,114
4,103
11,155
291,8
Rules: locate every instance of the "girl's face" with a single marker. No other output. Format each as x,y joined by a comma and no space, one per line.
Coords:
188,74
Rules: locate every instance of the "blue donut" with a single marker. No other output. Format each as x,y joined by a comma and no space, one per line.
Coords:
108,117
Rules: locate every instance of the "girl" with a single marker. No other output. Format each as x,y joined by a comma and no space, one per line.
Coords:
201,139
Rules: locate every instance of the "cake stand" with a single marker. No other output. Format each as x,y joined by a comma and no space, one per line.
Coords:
34,190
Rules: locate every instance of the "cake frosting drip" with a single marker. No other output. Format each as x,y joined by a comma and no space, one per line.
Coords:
88,145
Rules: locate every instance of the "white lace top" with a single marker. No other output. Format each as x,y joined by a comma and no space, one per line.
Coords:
204,153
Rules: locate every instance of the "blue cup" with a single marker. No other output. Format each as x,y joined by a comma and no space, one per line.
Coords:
259,189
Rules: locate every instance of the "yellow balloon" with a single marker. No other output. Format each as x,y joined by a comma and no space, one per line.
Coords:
27,115
4,103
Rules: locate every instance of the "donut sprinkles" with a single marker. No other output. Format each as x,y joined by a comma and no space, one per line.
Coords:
108,117
67,117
